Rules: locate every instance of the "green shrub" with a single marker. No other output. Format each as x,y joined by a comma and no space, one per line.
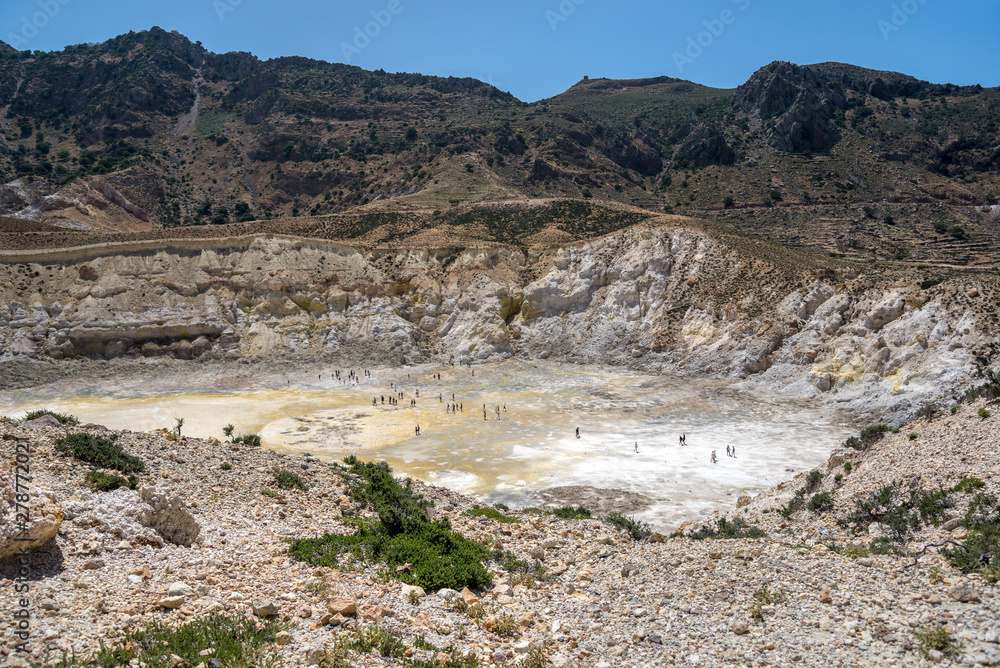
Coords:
954,409
901,510
813,480
403,534
981,548
571,513
838,478
794,504
848,466
492,514
248,439
288,480
99,481
936,638
769,596
99,450
638,530
238,641
728,530
820,502
968,485
62,418
983,413
226,466
368,638
868,437
913,437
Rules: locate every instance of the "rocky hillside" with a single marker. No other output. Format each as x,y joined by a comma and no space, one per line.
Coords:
204,538
151,130
665,294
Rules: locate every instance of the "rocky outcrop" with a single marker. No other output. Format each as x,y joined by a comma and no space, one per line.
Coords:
151,516
30,516
704,146
168,515
794,103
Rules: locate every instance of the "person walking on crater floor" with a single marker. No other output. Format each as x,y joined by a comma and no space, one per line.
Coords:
637,447
578,432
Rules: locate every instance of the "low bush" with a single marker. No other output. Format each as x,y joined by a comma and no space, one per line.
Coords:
727,530
868,437
99,481
571,513
99,450
238,641
814,480
794,504
983,413
287,480
638,530
492,514
968,485
980,551
368,638
402,534
62,418
936,638
820,502
248,439
901,510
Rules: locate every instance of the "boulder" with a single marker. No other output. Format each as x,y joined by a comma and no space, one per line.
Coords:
168,516
43,421
150,349
266,608
342,605
43,520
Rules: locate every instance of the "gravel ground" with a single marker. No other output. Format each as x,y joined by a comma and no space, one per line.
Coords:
609,600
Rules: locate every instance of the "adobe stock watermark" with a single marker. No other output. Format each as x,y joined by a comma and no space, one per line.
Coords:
714,28
562,13
363,36
223,7
30,25
900,15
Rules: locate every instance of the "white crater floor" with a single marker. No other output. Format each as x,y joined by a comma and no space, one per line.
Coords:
531,448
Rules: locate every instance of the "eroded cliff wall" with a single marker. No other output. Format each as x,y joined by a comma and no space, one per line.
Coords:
659,297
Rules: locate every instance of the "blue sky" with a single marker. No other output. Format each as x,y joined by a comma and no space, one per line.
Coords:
538,48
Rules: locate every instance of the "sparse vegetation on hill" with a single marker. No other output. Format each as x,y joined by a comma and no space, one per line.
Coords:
864,177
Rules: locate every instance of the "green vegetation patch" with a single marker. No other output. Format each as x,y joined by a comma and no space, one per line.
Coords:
287,480
980,551
638,530
99,481
62,418
402,534
901,510
491,513
936,638
99,450
727,530
239,642
571,513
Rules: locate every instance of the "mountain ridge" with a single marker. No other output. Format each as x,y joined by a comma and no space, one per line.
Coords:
204,138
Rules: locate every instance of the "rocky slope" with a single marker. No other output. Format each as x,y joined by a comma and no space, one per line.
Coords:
200,536
657,295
